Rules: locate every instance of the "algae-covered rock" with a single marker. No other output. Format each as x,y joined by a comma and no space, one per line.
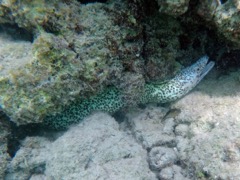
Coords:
29,160
54,16
224,16
80,53
71,64
13,54
161,48
28,91
4,156
173,7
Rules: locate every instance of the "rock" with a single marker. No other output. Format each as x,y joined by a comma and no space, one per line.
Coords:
14,54
148,127
182,130
183,147
38,177
132,86
213,112
224,15
67,60
169,126
161,157
29,160
172,173
36,15
92,149
173,7
198,142
96,148
162,32
4,156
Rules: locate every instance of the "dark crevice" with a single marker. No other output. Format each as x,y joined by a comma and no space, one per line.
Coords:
223,1
229,60
119,116
12,144
17,33
18,133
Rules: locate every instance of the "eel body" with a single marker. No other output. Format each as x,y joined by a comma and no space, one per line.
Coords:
110,100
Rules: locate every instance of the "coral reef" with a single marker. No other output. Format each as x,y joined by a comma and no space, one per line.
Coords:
72,58
161,47
224,16
173,7
73,52
52,16
175,142
4,156
78,50
69,61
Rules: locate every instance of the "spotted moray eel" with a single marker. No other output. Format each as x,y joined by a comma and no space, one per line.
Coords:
110,100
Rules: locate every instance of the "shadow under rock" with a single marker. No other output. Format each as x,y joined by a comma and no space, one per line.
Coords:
16,33
220,83
18,133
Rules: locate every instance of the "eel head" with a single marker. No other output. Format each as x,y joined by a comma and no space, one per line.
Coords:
192,75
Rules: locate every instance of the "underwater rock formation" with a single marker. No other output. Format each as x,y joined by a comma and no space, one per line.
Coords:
78,50
161,49
76,54
52,16
69,61
224,15
176,142
30,159
211,144
4,156
173,7
93,149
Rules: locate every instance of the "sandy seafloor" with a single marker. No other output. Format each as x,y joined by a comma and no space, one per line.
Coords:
196,137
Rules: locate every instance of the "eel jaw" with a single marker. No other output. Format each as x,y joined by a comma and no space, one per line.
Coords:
205,70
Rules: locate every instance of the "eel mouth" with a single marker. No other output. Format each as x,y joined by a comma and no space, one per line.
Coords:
206,69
